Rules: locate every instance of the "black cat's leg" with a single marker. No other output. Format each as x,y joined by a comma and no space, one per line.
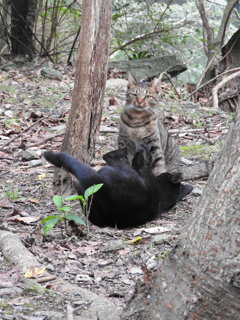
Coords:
82,171
115,155
142,157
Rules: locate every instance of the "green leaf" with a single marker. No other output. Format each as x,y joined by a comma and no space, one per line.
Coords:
47,218
57,200
65,209
91,190
50,224
74,197
75,218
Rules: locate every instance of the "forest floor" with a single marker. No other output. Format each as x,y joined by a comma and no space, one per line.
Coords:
106,261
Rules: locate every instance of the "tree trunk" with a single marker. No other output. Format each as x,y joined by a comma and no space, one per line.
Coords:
90,78
4,15
23,16
200,278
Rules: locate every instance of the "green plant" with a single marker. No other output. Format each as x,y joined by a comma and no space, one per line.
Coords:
10,122
140,55
12,194
64,211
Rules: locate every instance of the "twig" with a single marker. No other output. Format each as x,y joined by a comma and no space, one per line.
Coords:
174,131
69,312
211,80
45,279
219,85
170,80
44,140
35,123
209,141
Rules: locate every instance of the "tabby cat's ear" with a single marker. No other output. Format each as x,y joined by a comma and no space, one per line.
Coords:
156,84
131,80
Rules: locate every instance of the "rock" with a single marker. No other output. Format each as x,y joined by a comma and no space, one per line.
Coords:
51,73
35,163
152,263
144,69
59,129
96,306
50,267
116,83
161,238
8,113
197,192
32,286
114,245
83,278
29,155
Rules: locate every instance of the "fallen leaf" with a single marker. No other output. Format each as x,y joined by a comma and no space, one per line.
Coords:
124,251
33,200
41,176
154,230
35,272
135,240
5,203
26,220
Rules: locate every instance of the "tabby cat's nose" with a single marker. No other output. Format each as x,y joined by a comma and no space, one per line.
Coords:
139,100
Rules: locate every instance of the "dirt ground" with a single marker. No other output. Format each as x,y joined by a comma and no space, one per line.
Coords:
108,262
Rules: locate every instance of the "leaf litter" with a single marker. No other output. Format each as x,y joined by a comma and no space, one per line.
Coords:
33,115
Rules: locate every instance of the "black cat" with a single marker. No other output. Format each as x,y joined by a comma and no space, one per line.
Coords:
130,196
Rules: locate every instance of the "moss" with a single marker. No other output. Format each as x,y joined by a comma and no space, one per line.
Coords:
3,304
203,152
33,286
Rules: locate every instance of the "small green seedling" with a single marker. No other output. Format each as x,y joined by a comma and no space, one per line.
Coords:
64,212
12,195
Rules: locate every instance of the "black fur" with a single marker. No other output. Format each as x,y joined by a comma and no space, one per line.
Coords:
130,196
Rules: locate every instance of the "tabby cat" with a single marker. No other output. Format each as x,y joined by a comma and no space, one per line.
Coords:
140,123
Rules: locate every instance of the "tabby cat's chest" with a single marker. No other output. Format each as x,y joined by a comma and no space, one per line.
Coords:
136,124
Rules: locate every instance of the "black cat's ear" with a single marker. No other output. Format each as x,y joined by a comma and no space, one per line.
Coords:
131,80
156,84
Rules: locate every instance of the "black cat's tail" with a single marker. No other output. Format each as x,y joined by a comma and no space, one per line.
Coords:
82,171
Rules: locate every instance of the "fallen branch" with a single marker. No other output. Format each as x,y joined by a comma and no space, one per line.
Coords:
15,252
211,80
174,131
221,84
45,279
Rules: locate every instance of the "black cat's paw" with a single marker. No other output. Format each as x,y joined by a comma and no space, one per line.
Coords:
175,177
185,190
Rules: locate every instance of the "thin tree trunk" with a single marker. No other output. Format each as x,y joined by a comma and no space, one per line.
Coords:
23,16
200,278
90,78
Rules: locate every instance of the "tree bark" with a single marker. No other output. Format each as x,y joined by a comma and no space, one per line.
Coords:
23,16
90,78
200,278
